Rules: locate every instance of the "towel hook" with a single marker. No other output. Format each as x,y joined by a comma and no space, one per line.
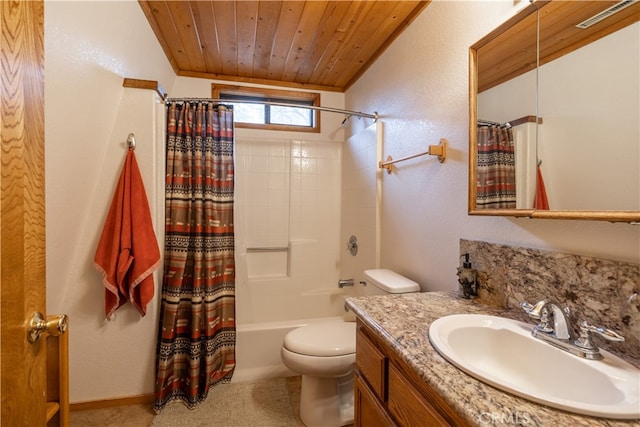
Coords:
131,141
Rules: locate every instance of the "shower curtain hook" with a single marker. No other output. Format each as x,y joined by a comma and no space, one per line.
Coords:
131,141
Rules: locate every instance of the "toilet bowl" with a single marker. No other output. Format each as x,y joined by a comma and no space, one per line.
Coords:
325,355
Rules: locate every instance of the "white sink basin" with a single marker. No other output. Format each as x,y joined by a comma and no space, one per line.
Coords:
502,352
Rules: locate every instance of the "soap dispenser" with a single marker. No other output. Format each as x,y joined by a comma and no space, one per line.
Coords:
467,277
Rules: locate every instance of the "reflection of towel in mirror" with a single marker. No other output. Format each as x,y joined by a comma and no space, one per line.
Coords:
540,201
128,251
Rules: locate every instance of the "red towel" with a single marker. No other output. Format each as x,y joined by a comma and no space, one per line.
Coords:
128,251
540,201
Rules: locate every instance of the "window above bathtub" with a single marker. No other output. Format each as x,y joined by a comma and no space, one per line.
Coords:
254,108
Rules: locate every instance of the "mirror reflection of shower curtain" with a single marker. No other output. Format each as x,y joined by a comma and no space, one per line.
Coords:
496,178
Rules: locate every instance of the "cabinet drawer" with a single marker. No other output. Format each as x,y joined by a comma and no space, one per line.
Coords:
368,410
372,364
407,406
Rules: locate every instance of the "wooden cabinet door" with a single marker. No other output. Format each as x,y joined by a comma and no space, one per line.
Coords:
372,363
368,410
408,407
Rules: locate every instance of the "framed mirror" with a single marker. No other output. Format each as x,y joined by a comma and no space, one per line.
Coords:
554,107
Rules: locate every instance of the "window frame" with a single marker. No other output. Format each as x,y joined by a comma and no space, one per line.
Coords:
218,91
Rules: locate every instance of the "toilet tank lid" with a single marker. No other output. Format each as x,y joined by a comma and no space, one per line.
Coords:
390,281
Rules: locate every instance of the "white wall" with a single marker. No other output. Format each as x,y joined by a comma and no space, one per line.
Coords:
89,48
360,207
420,88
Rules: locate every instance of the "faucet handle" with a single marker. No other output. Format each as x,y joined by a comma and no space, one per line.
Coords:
526,307
584,340
534,311
539,312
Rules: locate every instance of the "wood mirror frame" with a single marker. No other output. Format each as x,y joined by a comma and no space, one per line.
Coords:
502,40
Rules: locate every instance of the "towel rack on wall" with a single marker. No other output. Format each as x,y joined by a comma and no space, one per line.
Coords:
434,150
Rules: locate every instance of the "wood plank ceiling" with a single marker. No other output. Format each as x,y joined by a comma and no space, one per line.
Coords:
320,45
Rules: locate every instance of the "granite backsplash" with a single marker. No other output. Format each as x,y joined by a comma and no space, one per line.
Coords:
596,290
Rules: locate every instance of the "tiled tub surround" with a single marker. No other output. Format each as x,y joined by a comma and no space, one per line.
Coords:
403,322
596,290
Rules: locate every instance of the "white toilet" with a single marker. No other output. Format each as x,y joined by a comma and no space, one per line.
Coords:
325,353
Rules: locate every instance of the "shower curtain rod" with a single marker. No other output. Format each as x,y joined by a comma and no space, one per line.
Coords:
490,123
349,113
511,123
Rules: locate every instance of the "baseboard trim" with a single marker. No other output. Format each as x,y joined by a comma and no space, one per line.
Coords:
110,403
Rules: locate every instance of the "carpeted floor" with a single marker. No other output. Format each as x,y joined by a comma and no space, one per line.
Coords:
265,403
260,404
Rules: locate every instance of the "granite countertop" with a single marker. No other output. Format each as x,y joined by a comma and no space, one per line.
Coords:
403,322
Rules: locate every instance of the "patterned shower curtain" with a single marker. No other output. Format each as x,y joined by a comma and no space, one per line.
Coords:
196,337
496,168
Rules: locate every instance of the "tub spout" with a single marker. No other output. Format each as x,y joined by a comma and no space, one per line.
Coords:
345,282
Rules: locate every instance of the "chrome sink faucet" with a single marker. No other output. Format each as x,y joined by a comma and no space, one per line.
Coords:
557,330
542,310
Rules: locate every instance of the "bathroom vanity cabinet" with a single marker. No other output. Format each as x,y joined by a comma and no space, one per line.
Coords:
389,393
401,380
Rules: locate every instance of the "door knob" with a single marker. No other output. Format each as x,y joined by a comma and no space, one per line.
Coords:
52,325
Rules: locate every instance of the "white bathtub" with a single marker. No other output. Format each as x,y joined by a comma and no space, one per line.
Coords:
258,348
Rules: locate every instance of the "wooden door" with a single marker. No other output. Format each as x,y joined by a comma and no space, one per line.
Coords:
22,211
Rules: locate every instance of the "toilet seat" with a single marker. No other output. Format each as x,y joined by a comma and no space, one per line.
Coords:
318,366
323,340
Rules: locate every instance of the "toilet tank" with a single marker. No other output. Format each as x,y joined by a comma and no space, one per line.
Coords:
384,282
